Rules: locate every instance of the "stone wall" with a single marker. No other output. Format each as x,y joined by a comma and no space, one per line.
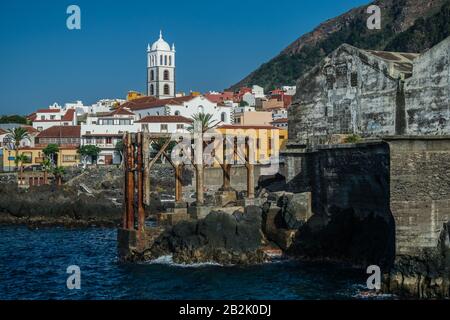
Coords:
419,190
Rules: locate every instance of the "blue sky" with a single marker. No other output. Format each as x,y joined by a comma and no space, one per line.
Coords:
217,42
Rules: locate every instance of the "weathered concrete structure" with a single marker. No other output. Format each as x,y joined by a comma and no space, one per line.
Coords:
386,198
372,93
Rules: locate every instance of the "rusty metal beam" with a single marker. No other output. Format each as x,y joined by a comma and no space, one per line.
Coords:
140,184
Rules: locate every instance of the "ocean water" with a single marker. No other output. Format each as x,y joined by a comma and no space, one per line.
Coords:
33,265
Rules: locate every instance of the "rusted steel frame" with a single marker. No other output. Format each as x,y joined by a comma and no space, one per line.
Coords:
146,178
140,184
130,184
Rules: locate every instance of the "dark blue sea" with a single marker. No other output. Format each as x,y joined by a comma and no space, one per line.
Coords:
33,265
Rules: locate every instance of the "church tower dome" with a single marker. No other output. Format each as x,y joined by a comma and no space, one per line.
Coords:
161,69
160,44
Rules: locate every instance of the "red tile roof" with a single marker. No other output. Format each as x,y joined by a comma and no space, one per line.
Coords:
236,126
3,131
48,111
164,119
120,111
69,116
30,129
152,102
61,132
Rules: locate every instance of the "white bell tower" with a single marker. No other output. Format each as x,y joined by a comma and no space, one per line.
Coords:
161,69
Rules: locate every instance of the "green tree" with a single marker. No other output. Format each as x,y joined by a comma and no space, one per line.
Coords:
50,151
58,172
89,150
205,120
46,168
16,135
119,148
19,160
158,144
14,119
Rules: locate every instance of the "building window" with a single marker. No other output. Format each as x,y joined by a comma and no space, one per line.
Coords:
166,89
164,127
354,79
152,75
180,126
108,140
223,116
166,74
177,113
165,60
200,109
170,60
152,90
70,158
160,60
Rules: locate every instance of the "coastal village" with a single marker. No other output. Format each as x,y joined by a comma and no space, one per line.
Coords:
364,148
92,135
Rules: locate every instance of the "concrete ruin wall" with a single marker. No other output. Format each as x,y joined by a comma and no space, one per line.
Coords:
351,220
420,190
353,91
407,177
427,93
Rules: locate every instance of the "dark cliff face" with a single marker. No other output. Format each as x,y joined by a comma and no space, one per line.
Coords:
352,221
407,25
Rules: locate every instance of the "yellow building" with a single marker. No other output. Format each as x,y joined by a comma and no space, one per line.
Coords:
66,157
134,95
267,140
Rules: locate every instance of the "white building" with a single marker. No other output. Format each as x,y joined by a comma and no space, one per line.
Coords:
45,118
164,124
289,90
105,131
161,69
279,113
258,91
249,98
181,106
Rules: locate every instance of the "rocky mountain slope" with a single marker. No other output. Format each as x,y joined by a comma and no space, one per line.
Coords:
407,25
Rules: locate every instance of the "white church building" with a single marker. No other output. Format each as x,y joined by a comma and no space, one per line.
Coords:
161,69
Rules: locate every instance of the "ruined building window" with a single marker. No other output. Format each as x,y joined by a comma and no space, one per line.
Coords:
341,76
354,79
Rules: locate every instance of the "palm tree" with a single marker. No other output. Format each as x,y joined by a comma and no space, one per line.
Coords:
20,159
205,120
58,172
17,135
46,167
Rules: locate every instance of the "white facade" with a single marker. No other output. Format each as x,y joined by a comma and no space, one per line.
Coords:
105,132
46,118
279,113
258,91
187,108
249,98
161,69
